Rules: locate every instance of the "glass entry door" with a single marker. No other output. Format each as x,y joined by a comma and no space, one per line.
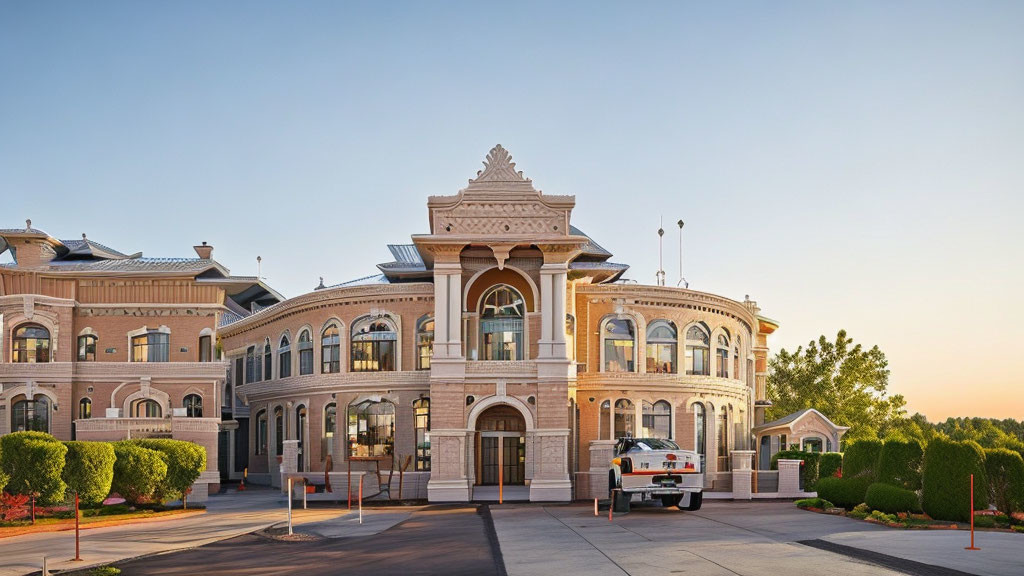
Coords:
513,459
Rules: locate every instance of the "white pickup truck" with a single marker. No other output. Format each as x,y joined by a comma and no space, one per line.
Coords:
656,467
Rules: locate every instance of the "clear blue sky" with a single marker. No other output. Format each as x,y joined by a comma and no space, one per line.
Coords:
848,165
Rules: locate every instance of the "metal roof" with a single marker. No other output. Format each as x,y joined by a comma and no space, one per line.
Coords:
364,281
591,248
405,254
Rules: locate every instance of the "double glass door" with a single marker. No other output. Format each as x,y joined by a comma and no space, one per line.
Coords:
512,458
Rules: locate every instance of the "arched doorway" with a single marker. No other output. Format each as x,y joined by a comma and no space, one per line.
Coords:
501,428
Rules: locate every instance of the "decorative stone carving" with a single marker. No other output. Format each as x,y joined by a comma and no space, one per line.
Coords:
499,167
29,306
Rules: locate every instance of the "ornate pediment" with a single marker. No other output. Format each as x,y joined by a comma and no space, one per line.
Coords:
498,167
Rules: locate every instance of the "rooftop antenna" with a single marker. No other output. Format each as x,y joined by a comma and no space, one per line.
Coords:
661,264
259,267
682,281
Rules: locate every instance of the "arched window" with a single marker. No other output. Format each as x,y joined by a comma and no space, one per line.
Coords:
421,417
258,364
424,343
661,347
206,348
502,310
84,409
701,432
604,427
268,361
723,440
371,429
153,346
330,427
146,409
374,345
87,348
625,418
31,415
193,404
697,359
301,435
279,431
330,350
31,344
261,432
250,364
305,353
736,360
619,339
722,357
657,420
284,358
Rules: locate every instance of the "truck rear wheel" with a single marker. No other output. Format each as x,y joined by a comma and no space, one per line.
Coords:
695,501
670,500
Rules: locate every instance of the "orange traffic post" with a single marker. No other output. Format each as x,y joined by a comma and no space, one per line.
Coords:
972,547
595,506
360,499
611,505
501,470
349,484
78,552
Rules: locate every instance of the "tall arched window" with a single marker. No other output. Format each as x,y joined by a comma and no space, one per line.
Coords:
261,432
697,358
421,416
736,360
301,435
424,343
278,431
723,440
193,404
330,350
657,420
153,346
206,348
502,310
625,418
330,427
371,429
284,358
250,364
722,357
31,415
604,427
87,348
661,347
374,345
146,409
268,361
84,409
619,341
258,364
700,420
305,353
31,344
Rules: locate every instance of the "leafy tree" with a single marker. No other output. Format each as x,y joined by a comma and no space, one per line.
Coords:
842,380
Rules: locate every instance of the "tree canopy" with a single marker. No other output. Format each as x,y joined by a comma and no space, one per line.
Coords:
842,380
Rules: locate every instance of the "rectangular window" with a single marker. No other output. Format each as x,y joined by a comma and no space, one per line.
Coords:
86,348
661,358
723,363
205,351
305,360
421,411
618,355
151,347
697,361
284,364
373,356
268,365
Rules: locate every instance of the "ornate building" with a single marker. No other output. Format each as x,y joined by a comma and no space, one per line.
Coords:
504,335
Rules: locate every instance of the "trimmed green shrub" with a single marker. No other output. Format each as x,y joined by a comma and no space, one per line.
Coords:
845,492
138,472
4,476
185,462
984,522
861,459
89,470
809,471
861,511
831,462
1005,471
814,503
34,461
899,464
948,466
891,499
879,516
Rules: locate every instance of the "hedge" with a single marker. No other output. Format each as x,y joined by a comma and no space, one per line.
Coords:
845,492
4,476
1005,471
948,466
899,464
89,470
33,461
809,470
830,464
185,462
891,499
861,459
138,472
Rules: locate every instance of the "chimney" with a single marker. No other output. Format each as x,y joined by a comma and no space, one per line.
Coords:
205,251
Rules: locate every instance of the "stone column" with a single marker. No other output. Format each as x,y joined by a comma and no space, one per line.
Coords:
789,478
553,285
741,474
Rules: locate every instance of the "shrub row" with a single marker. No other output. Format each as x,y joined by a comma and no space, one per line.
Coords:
891,499
899,464
845,492
861,459
141,470
1005,471
830,465
948,466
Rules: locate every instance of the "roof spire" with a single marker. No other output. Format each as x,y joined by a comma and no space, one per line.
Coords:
28,224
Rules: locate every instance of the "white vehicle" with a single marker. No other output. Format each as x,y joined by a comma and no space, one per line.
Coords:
656,467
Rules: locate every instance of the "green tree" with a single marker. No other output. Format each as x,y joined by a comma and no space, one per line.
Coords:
842,380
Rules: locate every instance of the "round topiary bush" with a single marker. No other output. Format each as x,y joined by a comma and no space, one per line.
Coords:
861,459
185,462
891,499
138,472
89,470
845,492
33,462
830,464
899,464
1005,471
946,479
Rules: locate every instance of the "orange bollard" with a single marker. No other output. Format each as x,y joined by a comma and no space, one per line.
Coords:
360,499
349,482
501,470
595,506
611,506
78,555
972,547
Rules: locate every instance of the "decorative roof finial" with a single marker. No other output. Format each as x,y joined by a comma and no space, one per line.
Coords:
321,286
499,167
28,224
83,236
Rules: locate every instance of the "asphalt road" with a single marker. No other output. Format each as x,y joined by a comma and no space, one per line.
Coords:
451,540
